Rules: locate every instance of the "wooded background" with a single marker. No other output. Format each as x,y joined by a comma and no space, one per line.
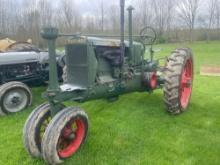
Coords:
174,20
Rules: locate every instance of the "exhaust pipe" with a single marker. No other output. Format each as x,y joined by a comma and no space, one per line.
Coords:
122,5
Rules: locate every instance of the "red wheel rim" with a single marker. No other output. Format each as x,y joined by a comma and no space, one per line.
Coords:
153,81
186,83
71,138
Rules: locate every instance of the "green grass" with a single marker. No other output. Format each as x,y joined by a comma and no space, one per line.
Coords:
204,53
136,129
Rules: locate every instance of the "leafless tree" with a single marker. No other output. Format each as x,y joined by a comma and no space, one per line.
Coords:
217,17
187,11
211,15
70,14
2,16
159,11
90,24
170,15
144,11
102,15
113,15
46,12
29,16
164,13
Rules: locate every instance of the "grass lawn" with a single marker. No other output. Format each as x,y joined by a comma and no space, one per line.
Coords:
136,129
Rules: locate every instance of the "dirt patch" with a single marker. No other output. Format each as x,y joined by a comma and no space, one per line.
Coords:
210,71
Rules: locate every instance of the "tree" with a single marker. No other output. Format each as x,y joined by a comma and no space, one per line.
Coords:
46,12
144,12
114,16
70,14
187,11
211,15
170,12
102,15
2,17
217,17
160,14
163,12
167,16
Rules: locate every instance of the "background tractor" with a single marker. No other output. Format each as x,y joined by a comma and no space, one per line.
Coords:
22,64
101,68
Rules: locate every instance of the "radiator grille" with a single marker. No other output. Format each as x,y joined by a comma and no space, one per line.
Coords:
77,67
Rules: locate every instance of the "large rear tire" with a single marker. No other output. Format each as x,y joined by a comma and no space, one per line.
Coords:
178,76
64,135
14,97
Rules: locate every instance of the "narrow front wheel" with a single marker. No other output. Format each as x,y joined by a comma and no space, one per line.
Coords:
64,135
34,129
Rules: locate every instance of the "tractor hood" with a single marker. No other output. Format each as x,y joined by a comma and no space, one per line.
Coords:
108,42
22,57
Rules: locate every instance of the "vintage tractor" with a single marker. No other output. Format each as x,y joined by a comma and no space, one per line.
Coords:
100,68
23,64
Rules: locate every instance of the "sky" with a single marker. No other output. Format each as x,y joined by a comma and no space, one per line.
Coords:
89,3
88,6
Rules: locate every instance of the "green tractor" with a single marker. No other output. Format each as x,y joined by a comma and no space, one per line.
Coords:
96,68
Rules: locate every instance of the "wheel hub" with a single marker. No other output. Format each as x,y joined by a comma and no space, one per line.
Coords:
71,138
15,100
68,133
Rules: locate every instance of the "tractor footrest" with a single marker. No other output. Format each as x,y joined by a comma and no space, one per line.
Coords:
70,88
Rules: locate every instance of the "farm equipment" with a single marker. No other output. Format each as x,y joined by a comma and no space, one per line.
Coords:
101,68
30,67
22,62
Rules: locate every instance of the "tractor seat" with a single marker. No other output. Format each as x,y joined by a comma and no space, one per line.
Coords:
114,57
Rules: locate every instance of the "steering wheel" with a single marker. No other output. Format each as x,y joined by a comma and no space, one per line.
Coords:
148,35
